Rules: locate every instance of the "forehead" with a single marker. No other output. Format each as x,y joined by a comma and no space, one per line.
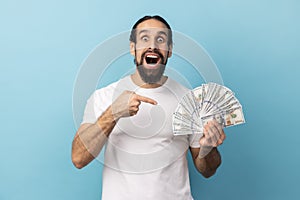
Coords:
152,25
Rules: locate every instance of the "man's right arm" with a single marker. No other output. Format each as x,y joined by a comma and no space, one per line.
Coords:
90,138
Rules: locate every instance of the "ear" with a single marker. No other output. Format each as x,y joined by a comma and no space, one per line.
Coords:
170,50
132,48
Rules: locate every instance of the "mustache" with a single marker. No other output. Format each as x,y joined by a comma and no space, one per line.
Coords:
153,51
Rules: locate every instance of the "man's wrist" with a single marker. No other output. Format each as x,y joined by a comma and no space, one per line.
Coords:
204,151
106,121
213,159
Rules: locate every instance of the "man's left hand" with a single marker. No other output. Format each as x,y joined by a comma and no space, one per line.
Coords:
213,134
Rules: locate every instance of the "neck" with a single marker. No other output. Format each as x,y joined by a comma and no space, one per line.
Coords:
136,78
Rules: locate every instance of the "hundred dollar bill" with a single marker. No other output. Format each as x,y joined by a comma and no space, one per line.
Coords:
230,104
216,94
187,119
189,103
198,94
182,128
208,99
227,118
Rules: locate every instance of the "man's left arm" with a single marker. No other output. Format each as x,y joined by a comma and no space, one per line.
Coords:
208,165
207,158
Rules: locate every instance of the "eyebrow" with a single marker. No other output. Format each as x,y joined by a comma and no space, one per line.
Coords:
162,33
143,31
147,31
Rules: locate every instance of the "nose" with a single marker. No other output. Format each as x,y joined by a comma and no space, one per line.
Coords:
153,44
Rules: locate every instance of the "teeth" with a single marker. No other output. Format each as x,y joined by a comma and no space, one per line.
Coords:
151,56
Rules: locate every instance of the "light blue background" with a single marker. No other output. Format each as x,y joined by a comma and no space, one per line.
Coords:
254,43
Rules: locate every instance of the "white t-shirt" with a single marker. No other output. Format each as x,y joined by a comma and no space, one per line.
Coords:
142,157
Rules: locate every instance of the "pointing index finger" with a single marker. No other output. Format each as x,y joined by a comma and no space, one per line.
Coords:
146,99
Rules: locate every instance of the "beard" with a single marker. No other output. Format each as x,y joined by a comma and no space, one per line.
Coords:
151,76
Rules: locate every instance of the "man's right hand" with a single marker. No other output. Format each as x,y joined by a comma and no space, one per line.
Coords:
127,104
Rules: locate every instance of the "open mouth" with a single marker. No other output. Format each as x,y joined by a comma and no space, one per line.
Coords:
152,59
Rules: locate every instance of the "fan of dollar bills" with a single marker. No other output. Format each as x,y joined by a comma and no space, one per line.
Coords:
210,101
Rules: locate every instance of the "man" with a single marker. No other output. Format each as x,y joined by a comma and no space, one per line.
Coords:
133,119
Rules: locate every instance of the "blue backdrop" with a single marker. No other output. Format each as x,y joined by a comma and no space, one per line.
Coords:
255,45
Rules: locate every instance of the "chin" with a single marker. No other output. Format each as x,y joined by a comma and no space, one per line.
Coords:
151,76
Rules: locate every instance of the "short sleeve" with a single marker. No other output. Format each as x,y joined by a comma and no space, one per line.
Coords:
194,140
89,115
97,104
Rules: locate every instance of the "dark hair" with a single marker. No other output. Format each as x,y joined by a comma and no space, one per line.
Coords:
132,37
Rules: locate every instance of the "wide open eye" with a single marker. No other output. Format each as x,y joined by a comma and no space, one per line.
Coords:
160,40
145,39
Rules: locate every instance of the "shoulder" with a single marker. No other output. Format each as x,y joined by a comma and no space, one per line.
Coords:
106,89
113,89
177,88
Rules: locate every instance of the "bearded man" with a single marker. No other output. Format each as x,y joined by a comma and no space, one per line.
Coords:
132,119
